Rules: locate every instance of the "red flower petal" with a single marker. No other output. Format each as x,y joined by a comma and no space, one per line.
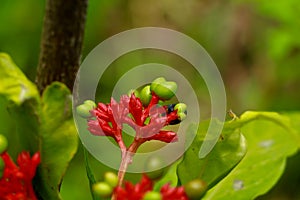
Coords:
164,136
15,183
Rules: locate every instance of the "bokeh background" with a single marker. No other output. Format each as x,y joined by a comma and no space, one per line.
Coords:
255,44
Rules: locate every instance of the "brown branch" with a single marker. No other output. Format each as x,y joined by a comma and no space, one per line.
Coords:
61,43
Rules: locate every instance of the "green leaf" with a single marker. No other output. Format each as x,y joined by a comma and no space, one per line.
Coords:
228,151
270,142
58,139
295,123
23,105
170,177
42,125
26,119
14,84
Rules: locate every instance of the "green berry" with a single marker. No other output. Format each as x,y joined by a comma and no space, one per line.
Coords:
164,89
154,167
84,109
145,95
181,111
180,107
181,116
157,81
90,103
195,189
102,189
3,144
152,196
111,179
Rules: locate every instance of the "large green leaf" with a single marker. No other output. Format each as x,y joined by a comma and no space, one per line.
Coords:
270,141
58,139
14,84
23,99
43,125
228,151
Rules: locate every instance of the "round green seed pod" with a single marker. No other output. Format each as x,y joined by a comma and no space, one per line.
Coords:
181,116
145,95
83,111
157,81
102,189
90,104
154,167
3,144
151,195
195,189
111,179
180,107
164,89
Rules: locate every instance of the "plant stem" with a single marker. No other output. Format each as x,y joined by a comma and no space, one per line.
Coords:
61,43
127,159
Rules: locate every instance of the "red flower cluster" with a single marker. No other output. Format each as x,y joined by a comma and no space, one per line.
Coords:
147,121
15,184
137,192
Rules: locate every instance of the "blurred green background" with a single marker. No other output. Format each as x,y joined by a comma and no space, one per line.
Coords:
255,44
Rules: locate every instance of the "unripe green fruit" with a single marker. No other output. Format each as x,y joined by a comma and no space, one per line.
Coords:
90,103
102,189
157,81
152,196
181,116
164,89
145,95
154,167
195,189
3,144
180,107
84,109
111,179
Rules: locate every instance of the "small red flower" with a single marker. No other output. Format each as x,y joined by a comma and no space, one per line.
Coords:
147,121
170,193
134,192
15,184
137,192
109,119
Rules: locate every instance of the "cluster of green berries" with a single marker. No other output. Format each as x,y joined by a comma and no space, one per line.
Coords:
165,90
162,88
105,188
